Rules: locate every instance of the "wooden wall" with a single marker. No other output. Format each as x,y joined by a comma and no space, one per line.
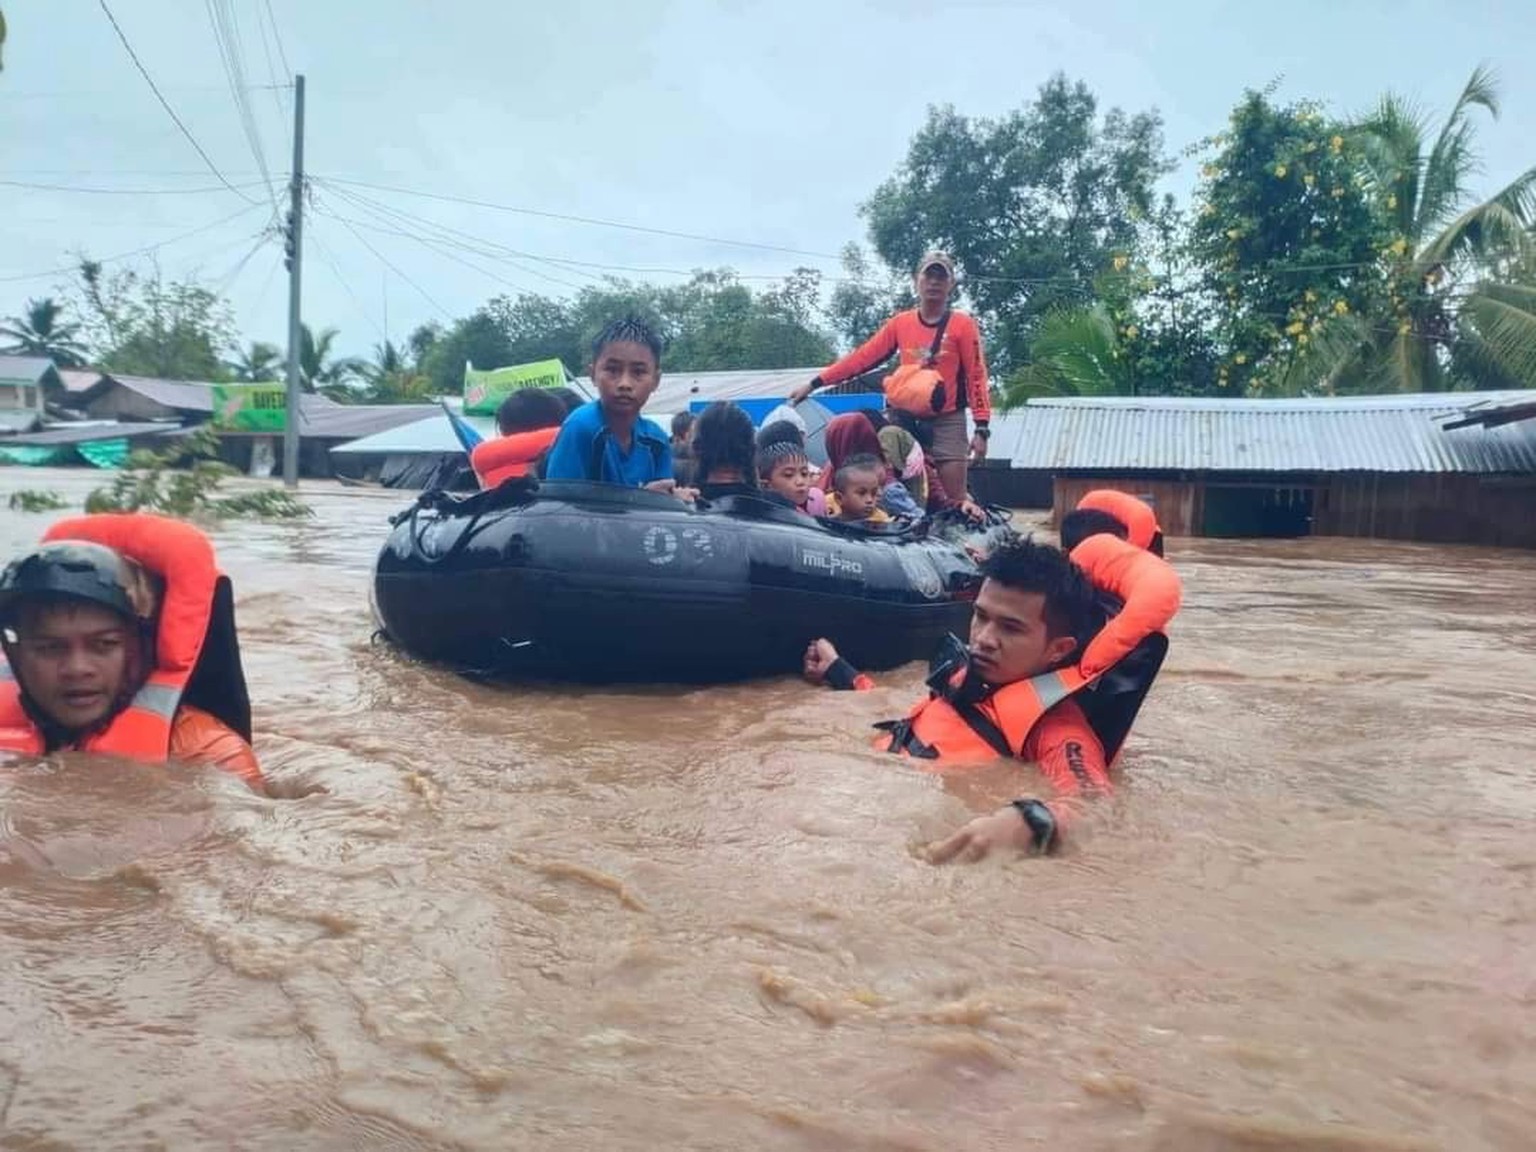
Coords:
1178,503
1445,508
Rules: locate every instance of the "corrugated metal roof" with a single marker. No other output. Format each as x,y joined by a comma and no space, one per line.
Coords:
79,379
88,433
1346,434
679,389
197,396
351,421
184,395
18,420
430,436
24,369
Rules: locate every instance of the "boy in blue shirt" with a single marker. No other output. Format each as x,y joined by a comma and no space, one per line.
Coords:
607,441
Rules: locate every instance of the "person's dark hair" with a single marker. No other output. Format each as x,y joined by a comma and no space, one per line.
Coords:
681,423
781,440
723,439
862,463
631,328
1018,562
1078,525
571,398
528,409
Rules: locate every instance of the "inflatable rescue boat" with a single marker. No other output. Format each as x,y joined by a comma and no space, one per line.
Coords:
592,582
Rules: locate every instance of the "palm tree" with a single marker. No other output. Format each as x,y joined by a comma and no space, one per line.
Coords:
391,379
316,367
1075,352
258,364
1460,298
39,333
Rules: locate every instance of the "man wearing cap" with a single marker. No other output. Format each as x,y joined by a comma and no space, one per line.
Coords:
110,629
933,335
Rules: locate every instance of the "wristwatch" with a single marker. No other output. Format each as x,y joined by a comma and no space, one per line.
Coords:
1041,824
983,430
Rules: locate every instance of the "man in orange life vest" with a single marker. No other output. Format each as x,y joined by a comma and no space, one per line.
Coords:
1014,693
119,639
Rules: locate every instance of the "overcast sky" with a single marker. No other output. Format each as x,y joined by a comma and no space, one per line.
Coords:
764,122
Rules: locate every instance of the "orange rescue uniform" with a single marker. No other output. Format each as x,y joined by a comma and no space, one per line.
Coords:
1038,719
155,726
960,362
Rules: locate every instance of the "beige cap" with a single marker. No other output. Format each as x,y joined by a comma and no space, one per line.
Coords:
943,259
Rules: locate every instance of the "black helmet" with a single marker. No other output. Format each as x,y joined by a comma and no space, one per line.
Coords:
79,570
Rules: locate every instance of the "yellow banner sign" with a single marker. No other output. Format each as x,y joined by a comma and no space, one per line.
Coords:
484,391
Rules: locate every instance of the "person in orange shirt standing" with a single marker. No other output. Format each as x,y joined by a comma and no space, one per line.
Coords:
119,639
942,371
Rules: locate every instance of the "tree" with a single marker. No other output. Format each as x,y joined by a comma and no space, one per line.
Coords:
865,298
1460,305
390,379
38,332
478,339
318,369
1034,206
421,340
144,325
1286,236
258,363
711,322
1075,352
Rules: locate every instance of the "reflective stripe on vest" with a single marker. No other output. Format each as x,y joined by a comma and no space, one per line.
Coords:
937,730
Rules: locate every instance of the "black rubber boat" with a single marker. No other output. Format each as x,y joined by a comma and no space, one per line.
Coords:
600,583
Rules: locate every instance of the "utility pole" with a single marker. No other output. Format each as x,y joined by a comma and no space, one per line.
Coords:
294,260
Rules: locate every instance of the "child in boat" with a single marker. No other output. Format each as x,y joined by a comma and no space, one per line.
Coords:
608,441
684,466
783,467
855,491
528,420
857,434
724,452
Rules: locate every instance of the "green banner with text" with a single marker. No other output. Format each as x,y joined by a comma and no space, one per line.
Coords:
484,391
250,407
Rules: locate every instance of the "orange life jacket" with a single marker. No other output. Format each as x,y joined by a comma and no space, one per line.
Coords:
507,457
183,557
936,729
1139,519
1148,591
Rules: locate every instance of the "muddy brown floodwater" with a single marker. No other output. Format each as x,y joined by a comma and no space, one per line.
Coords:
695,919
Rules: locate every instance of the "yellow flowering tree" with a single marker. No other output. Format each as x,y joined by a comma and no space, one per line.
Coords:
1285,235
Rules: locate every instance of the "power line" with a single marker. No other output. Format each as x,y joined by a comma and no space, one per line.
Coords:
277,38
422,292
266,52
445,235
92,191
148,248
584,219
148,79
330,262
447,253
226,34
227,281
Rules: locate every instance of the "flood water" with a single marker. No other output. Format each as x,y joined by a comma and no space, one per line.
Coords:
699,919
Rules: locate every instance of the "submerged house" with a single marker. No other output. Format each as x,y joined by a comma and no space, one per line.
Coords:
1404,467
